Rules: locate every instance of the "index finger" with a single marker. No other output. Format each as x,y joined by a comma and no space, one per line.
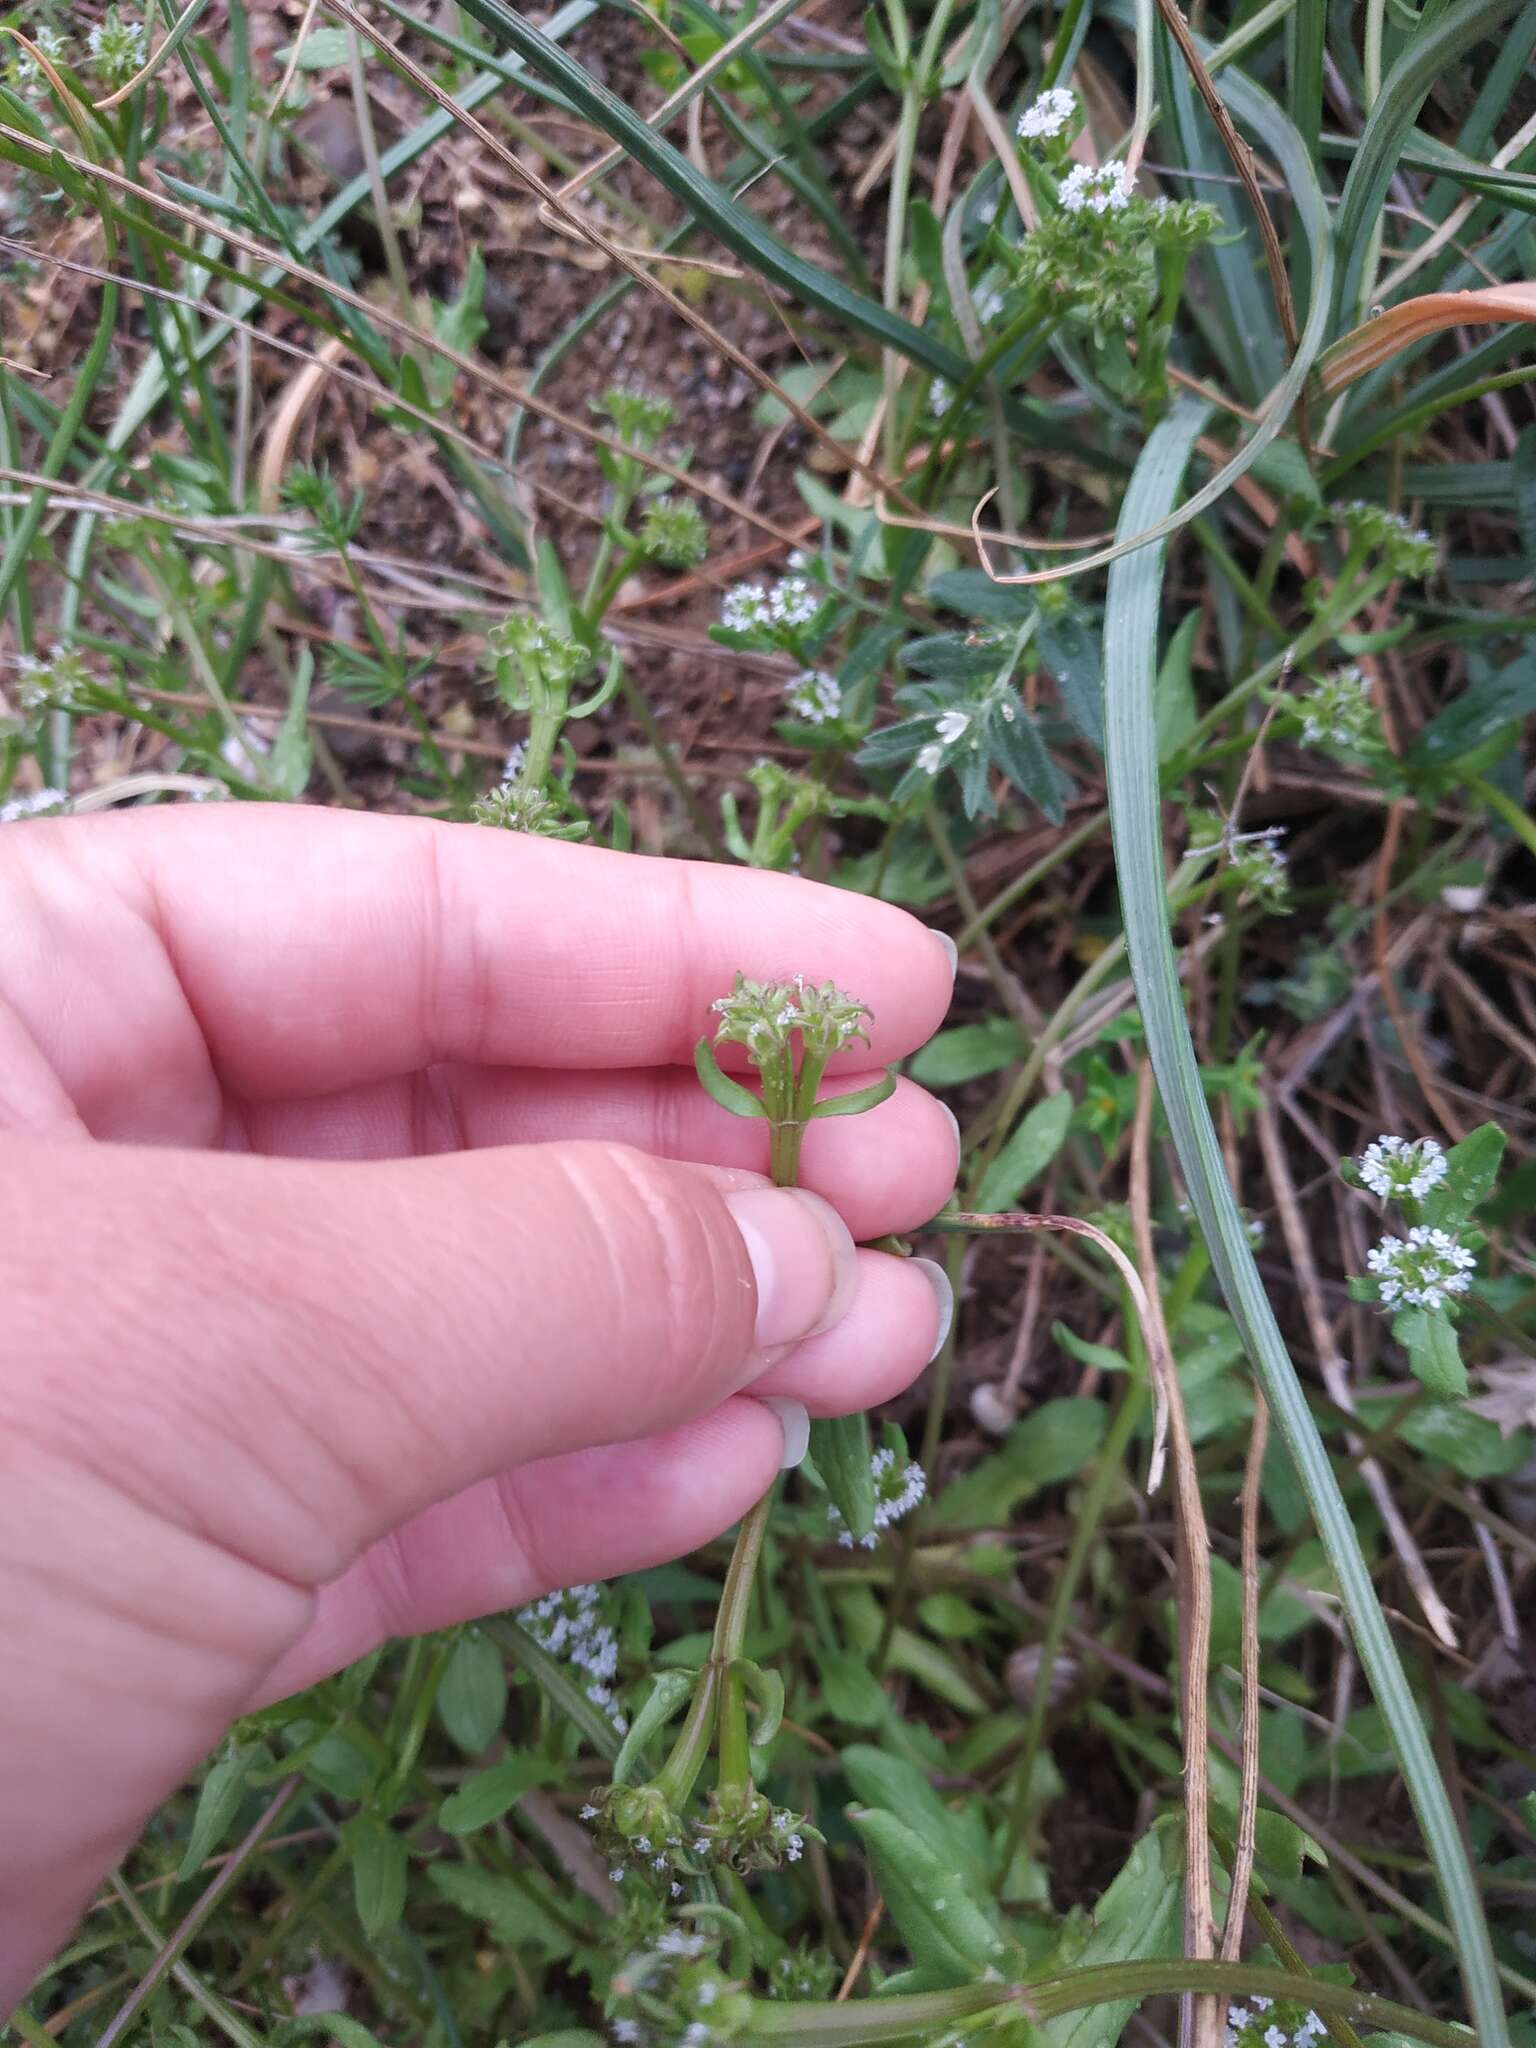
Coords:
319,949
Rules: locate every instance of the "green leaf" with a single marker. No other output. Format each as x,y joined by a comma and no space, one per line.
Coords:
720,1087
767,1689
966,1052
973,594
472,1699
489,1794
860,1099
852,1692
1026,1155
891,1782
323,49
218,1802
1176,711
1434,1356
840,1448
1493,703
1099,1355
1072,653
1140,1916
1469,1443
950,1926
379,1873
1051,1443
1471,1168
668,1691
510,1908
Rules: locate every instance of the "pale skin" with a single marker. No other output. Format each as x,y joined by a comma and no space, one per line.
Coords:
372,1260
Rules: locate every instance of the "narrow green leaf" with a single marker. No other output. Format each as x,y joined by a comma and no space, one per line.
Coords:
1026,1155
472,1698
858,1100
379,1872
218,1802
720,1087
840,1448
489,1794
669,1689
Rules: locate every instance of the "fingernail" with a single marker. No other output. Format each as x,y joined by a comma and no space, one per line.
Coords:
795,1421
802,1260
954,1124
952,952
943,1294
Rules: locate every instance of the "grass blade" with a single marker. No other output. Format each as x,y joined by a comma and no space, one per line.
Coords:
1131,623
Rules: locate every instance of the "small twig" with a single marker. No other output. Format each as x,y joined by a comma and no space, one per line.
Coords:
861,1953
171,1949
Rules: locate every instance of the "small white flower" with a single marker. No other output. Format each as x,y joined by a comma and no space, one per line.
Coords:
1393,1168
1046,117
513,765
989,302
744,607
793,601
1421,1270
952,725
940,398
930,759
26,71
588,1812
814,696
1096,188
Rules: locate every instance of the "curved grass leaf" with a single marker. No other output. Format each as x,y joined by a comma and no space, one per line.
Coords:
1131,624
1428,57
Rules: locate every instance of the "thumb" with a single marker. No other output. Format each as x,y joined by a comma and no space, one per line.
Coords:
291,1357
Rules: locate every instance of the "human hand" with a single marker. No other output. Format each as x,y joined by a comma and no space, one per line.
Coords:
306,1356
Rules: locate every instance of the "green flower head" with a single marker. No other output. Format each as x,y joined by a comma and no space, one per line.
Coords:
765,1015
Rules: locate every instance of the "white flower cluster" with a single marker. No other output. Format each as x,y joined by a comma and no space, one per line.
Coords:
1393,1167
750,607
26,71
814,696
35,805
1421,1270
568,1625
897,1492
1096,188
1250,2029
1044,119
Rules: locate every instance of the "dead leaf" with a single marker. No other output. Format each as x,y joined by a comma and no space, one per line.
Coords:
1383,337
1509,1398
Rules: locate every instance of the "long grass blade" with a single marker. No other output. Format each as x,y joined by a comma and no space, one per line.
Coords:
1131,623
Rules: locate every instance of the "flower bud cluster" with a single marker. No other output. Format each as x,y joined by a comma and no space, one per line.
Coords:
59,682
118,47
1422,1271
1255,861
673,533
764,1016
640,416
674,1994
1405,550
1338,712
638,1831
535,650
